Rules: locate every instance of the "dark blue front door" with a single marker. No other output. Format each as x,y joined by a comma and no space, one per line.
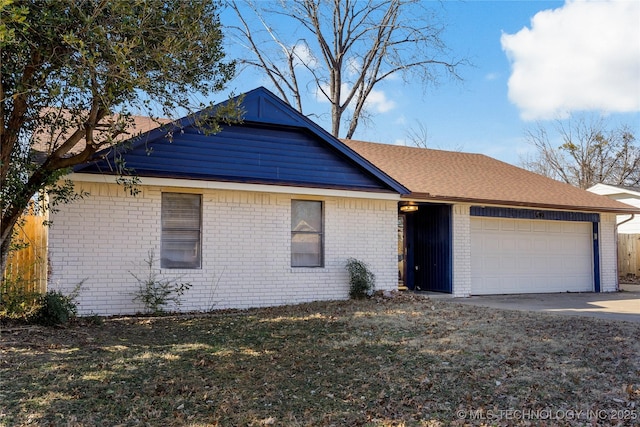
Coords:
428,248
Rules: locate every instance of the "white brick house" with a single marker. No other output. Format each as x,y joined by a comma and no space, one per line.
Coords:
267,212
246,246
263,213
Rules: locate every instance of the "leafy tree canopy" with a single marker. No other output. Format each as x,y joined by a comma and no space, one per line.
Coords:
72,71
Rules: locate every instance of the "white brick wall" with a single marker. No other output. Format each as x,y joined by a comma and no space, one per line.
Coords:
105,237
608,254
461,251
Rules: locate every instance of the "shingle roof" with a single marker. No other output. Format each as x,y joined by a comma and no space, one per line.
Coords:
454,176
46,141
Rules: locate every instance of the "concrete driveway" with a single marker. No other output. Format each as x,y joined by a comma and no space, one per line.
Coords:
623,305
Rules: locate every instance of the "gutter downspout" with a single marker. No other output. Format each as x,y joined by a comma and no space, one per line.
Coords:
617,244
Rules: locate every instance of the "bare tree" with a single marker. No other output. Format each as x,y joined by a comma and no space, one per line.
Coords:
585,152
342,49
418,135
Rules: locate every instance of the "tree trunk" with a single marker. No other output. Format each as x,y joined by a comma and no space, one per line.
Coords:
335,120
7,234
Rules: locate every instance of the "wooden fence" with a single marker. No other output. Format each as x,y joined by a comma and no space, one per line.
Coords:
28,267
629,254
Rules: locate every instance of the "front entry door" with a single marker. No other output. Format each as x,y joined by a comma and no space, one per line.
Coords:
402,252
428,248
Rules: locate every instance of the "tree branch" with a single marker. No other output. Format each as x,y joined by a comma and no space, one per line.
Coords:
361,44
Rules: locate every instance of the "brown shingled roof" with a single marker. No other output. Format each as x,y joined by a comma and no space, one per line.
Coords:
476,178
46,140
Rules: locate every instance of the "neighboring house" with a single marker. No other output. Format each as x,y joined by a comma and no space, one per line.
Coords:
628,228
267,212
48,139
629,196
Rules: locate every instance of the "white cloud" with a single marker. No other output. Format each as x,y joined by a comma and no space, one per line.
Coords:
320,96
491,76
584,56
354,66
376,101
304,56
401,120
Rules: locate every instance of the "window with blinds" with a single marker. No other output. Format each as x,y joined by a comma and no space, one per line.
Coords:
181,230
307,241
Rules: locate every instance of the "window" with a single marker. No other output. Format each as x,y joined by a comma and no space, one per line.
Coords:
181,220
307,246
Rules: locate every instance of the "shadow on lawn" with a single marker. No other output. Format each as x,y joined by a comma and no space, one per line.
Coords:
369,362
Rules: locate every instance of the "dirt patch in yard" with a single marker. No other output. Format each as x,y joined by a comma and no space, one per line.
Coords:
406,361
630,280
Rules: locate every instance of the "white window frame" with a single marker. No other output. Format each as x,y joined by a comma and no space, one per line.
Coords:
297,234
174,234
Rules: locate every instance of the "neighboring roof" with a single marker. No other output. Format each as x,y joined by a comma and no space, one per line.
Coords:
274,144
612,190
45,141
475,178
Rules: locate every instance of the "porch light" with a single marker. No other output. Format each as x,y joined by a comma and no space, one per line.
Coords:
408,208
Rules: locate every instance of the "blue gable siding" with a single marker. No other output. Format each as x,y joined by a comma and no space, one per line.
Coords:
250,153
266,109
273,145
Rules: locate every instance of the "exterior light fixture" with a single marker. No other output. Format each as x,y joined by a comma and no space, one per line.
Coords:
408,208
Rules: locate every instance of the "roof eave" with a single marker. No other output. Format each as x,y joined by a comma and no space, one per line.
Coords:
602,209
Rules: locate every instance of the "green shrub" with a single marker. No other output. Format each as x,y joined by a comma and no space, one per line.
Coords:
94,319
16,302
55,308
361,280
19,304
156,292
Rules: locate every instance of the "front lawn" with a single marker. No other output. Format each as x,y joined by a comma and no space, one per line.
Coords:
403,362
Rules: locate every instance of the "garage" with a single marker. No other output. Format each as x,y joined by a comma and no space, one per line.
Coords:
508,230
511,255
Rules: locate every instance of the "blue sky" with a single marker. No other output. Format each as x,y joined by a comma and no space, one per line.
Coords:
575,56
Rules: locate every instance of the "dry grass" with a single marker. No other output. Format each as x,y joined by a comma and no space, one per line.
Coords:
403,362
